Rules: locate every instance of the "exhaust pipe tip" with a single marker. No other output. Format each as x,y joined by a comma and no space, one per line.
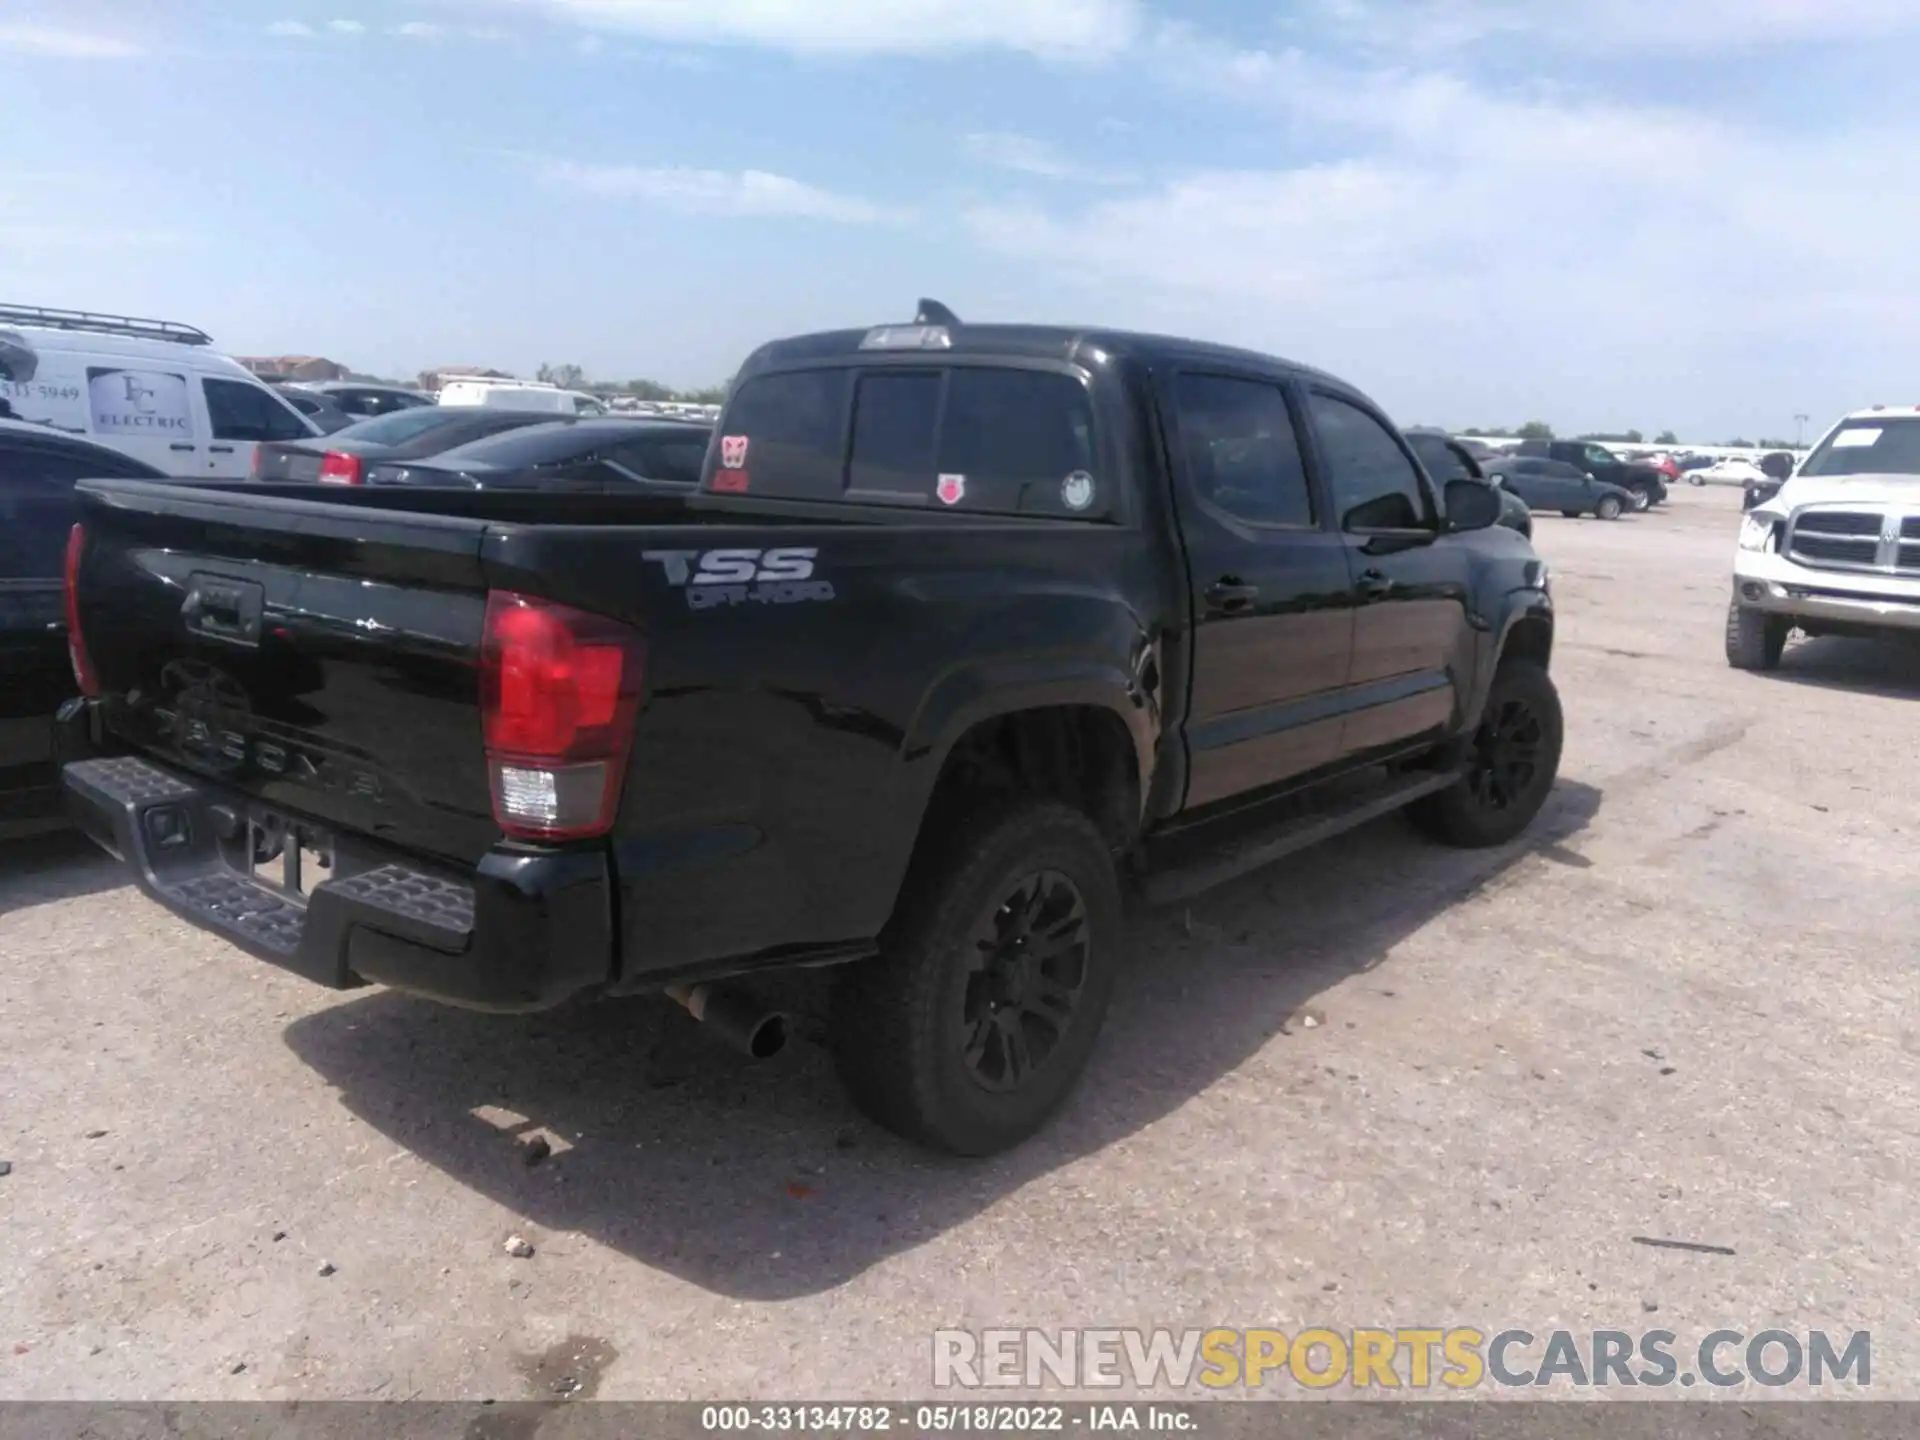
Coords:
734,1017
768,1038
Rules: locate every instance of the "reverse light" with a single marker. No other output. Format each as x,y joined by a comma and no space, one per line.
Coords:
339,468
559,690
84,674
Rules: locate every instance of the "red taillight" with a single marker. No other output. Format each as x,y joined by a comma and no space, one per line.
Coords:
339,468
83,673
559,689
257,466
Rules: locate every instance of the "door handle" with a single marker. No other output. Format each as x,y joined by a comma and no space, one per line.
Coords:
220,449
1374,584
1229,596
180,445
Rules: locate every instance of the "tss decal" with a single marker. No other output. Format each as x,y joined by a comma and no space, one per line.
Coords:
742,577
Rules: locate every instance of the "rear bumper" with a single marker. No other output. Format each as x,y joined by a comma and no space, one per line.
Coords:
522,931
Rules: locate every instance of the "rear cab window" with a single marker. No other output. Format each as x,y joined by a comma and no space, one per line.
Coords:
978,437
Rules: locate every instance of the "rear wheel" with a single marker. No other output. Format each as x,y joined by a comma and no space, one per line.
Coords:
1571,514
1608,508
1511,763
971,1027
1642,499
1755,639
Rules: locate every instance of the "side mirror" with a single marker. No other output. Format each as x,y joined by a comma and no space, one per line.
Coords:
1471,505
1777,466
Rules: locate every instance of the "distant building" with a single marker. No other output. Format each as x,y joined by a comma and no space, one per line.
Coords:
435,378
294,367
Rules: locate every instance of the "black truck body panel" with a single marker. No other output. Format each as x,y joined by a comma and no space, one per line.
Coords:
315,662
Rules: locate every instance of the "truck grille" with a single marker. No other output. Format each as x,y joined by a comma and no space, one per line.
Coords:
1855,540
1836,538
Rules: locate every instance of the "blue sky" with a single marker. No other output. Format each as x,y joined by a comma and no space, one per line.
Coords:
1689,213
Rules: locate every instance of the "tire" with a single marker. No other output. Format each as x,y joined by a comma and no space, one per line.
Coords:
1693,478
1642,500
919,1034
1513,758
1755,639
1571,514
1608,507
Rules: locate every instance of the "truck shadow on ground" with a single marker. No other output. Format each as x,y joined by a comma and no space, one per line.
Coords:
1888,668
61,865
759,1181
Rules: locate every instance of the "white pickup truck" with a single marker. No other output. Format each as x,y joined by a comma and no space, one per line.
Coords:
1837,550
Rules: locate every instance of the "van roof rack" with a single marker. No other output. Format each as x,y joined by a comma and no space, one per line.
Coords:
87,320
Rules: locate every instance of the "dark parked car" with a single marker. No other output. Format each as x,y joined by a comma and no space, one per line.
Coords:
591,453
1778,469
38,468
343,457
317,408
1448,459
1551,485
1644,485
362,399
942,652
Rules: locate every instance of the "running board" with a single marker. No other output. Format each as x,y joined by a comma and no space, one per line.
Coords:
1212,865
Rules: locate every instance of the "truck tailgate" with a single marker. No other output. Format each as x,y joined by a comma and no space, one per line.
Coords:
321,660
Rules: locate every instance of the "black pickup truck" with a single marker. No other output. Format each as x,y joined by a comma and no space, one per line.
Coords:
966,629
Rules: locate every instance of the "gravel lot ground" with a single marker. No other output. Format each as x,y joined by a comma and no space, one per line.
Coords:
1684,1009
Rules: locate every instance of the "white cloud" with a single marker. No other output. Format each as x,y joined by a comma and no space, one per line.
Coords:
420,30
719,192
1042,27
63,44
346,27
292,29
1645,25
1478,254
1028,156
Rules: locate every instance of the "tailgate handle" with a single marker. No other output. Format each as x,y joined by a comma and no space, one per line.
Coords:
224,609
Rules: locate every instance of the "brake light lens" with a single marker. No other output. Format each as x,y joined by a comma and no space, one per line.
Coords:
339,468
83,672
559,691
258,465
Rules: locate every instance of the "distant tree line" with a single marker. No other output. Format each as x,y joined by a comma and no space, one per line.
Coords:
1540,430
573,377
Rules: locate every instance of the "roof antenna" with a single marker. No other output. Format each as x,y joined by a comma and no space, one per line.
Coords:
932,312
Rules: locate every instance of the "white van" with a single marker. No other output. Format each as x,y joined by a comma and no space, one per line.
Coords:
150,389
520,395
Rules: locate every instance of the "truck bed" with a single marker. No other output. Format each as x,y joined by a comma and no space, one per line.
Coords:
805,666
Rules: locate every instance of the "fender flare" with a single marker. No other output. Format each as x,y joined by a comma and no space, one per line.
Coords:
1526,603
974,694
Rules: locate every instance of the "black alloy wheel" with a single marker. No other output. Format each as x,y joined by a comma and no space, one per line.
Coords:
1028,969
1507,751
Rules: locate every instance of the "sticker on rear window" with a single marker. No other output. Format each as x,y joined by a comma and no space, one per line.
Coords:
733,451
1076,491
1854,439
730,482
952,489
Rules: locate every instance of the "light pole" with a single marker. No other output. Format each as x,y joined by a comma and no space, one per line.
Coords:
1799,430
